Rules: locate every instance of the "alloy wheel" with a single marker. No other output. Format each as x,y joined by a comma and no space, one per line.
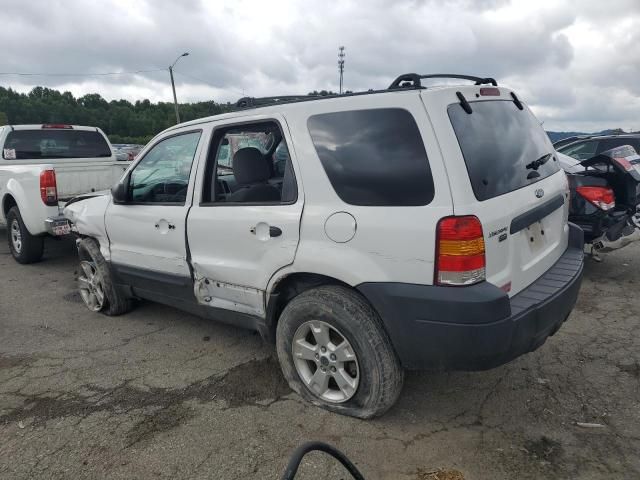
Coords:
325,361
90,286
16,236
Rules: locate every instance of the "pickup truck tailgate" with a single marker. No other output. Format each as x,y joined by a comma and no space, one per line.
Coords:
90,176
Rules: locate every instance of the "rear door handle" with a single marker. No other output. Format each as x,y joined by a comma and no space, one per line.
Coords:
261,230
164,226
275,232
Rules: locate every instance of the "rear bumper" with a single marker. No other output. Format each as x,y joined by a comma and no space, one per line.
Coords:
477,327
57,226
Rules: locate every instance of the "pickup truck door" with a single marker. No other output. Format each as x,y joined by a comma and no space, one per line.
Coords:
239,237
147,233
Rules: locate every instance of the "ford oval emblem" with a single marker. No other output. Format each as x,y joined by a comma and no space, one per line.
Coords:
539,193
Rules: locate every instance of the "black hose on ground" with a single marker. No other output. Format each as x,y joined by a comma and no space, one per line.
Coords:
302,450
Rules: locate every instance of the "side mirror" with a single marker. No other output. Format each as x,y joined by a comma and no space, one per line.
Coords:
119,191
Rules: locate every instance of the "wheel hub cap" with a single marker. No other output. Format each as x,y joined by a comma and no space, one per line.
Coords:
16,236
90,286
325,361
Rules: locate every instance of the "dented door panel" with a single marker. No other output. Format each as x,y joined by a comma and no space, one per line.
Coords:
236,248
217,294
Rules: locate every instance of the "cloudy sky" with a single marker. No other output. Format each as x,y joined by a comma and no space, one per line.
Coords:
577,63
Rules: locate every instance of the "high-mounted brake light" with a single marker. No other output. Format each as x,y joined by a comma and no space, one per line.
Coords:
57,126
624,163
48,188
601,197
490,91
460,253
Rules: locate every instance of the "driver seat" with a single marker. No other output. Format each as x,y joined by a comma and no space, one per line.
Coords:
252,171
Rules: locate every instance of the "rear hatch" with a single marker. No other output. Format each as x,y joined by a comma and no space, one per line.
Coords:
620,166
502,168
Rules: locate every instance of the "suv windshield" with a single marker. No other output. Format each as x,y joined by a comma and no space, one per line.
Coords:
502,146
51,143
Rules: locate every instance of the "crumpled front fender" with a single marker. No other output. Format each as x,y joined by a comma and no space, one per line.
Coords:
87,218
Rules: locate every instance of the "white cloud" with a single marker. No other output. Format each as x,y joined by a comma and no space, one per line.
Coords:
576,63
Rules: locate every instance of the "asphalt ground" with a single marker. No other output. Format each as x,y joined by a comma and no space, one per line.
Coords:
159,393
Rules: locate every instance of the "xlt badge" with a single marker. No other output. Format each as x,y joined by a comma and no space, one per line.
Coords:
501,232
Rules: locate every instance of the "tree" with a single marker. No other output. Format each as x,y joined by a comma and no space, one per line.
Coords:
123,121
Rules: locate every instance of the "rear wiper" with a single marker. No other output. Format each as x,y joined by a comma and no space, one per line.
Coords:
539,162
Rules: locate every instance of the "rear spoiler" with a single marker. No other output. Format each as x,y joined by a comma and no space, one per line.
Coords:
624,159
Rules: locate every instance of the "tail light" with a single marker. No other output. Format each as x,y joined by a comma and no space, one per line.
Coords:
460,254
48,188
601,197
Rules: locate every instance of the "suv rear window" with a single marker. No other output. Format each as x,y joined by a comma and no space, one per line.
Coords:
498,141
51,143
373,157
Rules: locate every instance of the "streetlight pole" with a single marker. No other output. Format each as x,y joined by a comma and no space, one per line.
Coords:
173,85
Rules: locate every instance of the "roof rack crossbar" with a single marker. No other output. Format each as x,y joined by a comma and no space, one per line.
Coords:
413,80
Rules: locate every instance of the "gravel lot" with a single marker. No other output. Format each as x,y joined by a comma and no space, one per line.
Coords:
159,393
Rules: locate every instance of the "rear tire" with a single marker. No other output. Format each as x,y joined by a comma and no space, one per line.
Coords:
25,248
342,317
95,282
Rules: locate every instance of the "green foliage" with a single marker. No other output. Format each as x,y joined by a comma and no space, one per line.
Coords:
324,93
121,120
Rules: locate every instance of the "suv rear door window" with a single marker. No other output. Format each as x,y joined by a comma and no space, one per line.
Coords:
52,143
373,157
499,142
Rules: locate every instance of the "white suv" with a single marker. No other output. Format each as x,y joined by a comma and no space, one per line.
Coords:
413,227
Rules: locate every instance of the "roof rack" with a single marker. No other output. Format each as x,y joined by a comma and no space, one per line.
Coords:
250,102
407,80
413,80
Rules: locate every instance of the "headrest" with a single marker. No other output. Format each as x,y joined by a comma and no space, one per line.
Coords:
250,166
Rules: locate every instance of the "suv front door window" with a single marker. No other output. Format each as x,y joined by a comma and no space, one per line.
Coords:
162,176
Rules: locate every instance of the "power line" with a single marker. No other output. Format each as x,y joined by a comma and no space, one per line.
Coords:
241,92
104,74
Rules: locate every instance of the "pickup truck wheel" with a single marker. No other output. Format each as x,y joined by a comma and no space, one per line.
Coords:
95,282
25,248
335,353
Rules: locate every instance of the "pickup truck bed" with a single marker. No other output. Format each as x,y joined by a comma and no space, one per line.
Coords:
29,154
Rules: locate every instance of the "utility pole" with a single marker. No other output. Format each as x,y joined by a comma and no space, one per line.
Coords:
341,65
173,85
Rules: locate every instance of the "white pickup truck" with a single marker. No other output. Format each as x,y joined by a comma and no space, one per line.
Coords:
41,167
